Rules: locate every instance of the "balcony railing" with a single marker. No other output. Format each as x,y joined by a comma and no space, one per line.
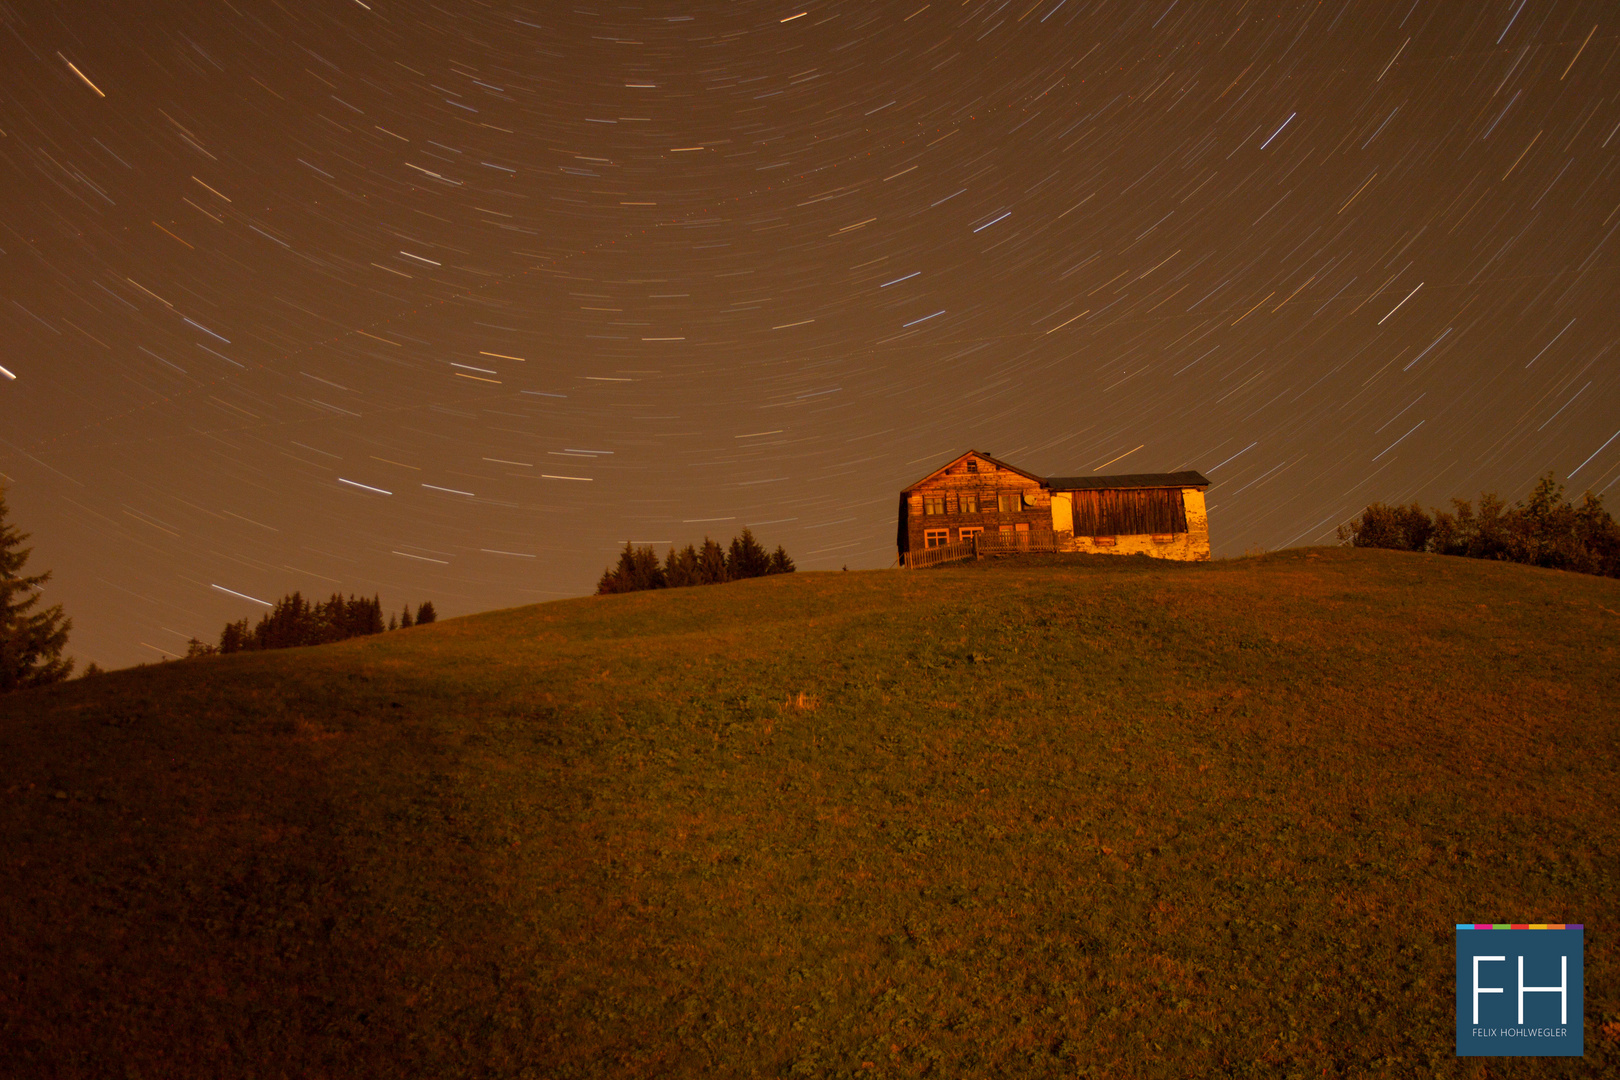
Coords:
1014,543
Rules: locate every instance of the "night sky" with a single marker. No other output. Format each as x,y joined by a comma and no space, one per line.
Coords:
448,301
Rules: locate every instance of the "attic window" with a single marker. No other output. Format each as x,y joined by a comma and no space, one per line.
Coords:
972,465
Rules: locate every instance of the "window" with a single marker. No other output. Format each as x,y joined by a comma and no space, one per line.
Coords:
970,502
1009,502
1005,530
972,466
936,537
934,504
970,531
1022,526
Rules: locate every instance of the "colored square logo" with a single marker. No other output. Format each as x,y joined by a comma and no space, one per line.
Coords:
1520,989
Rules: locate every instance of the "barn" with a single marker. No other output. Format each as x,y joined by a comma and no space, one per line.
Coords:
980,503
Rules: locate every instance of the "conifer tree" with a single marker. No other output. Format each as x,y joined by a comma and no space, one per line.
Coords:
235,637
30,644
617,579
425,613
637,569
712,564
780,563
746,558
405,622
681,568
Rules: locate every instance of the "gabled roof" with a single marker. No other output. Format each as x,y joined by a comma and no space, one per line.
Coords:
1127,480
982,456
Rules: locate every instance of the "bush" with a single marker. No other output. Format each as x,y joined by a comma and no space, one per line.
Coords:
1399,528
1546,530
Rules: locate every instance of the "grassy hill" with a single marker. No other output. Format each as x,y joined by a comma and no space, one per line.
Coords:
1097,818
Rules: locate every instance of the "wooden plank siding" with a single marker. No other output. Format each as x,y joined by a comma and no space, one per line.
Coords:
974,492
1139,511
1157,514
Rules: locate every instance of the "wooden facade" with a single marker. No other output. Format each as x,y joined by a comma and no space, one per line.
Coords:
1157,514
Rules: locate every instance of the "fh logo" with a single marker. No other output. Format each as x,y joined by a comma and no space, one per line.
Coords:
1507,1005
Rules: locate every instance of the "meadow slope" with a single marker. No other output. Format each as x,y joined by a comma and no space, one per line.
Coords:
1037,818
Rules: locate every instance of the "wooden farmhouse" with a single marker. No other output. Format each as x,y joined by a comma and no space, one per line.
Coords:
1002,507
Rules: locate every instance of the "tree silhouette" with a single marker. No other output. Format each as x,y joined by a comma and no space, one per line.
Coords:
637,569
747,559
712,564
780,563
425,613
293,621
31,642
1547,530
681,568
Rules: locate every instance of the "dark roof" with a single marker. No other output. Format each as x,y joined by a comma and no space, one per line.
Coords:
1128,480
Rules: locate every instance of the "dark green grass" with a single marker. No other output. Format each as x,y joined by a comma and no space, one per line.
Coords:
1045,818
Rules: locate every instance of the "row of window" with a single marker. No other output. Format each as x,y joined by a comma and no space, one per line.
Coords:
941,537
968,502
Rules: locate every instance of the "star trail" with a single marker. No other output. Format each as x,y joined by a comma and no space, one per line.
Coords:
450,301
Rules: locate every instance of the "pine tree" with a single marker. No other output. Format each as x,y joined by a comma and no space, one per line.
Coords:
235,637
780,563
617,579
712,563
746,558
681,568
289,624
367,615
405,618
425,613
30,644
637,569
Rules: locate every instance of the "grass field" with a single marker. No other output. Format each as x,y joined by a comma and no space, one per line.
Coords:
1038,818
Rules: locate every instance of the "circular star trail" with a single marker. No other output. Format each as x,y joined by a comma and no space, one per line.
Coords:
449,302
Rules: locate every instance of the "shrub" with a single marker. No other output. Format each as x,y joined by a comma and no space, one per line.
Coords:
1399,528
1546,530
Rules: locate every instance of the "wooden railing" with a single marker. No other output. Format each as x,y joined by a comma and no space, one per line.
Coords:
964,549
1000,543
980,546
